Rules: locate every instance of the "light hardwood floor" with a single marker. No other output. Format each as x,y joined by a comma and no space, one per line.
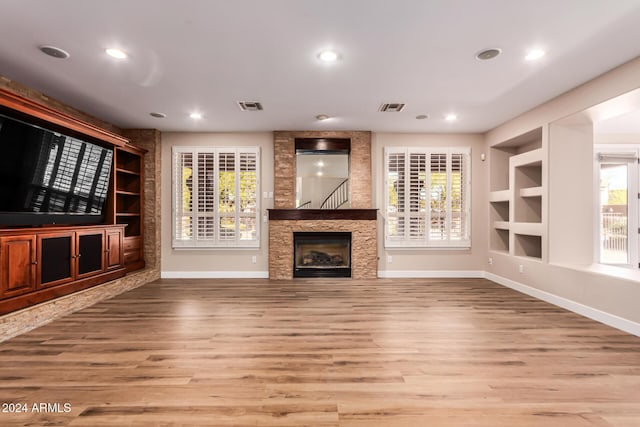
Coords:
323,353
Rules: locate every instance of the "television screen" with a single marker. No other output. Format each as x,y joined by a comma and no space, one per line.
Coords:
46,172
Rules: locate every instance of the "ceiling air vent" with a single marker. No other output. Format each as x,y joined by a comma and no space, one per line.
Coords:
391,107
250,106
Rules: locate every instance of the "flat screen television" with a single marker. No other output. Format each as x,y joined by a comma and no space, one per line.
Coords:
47,177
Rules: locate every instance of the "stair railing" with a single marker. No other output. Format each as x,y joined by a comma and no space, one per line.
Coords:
338,197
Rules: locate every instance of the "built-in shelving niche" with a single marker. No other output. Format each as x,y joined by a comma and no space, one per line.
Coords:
517,195
528,246
129,203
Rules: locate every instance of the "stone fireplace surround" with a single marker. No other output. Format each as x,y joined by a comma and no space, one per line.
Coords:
360,220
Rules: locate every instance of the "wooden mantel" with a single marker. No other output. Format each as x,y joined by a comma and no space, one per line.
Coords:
323,214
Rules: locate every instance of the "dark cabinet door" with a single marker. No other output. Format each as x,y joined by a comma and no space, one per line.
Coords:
90,257
17,265
114,253
56,252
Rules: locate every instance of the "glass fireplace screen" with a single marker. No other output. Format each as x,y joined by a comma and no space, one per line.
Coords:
322,250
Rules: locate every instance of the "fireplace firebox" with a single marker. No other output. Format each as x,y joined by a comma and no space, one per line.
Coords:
321,254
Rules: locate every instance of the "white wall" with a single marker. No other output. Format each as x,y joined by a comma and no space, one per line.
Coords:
428,262
215,262
567,279
413,262
571,193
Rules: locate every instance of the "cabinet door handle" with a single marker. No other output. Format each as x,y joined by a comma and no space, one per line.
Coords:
34,262
79,255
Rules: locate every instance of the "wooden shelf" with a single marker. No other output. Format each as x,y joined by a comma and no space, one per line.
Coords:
126,171
127,209
128,193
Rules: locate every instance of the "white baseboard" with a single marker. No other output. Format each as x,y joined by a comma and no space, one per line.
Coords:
581,309
434,274
214,275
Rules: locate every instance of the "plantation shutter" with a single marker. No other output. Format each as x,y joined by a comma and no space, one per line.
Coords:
439,200
459,204
215,198
434,200
226,196
206,197
183,202
417,195
248,196
395,188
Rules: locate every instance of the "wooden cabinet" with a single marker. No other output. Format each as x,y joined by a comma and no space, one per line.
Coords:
91,253
44,263
114,250
41,263
129,203
65,256
18,265
56,258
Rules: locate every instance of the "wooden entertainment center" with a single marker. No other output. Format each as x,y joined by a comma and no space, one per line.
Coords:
44,262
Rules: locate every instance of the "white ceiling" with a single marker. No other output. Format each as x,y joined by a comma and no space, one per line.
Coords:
627,123
207,54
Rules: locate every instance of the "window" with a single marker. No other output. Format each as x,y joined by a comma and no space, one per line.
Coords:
215,197
617,216
427,197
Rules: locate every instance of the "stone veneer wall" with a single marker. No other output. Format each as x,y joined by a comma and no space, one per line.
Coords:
21,321
364,255
149,139
285,166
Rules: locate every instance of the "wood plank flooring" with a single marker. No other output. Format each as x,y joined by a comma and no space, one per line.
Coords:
322,353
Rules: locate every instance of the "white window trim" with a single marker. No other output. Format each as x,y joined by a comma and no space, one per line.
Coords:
214,243
619,153
407,243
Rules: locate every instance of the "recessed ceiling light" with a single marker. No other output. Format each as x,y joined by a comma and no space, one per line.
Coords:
328,56
53,51
319,173
534,54
195,116
116,53
487,54
422,117
322,117
158,115
320,164
451,117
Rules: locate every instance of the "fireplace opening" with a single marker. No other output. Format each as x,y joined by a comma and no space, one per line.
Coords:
321,254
